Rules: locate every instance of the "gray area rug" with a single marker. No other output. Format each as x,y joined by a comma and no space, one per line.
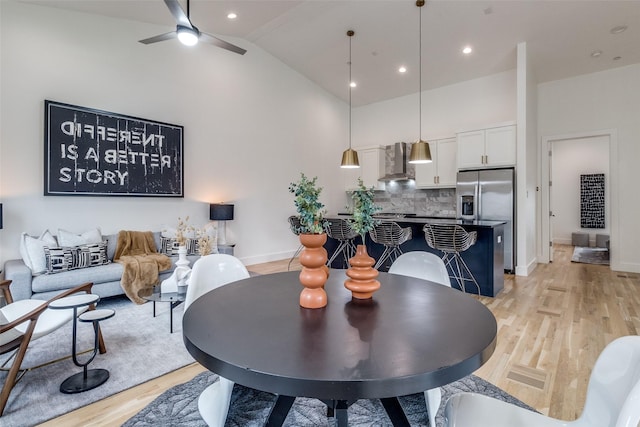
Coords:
178,406
139,348
590,255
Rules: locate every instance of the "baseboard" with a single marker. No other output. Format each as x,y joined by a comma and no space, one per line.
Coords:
259,259
628,267
525,271
561,241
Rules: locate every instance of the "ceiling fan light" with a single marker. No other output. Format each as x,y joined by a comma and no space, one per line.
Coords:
187,36
420,153
350,159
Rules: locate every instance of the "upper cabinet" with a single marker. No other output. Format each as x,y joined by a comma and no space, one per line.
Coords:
484,148
441,172
371,168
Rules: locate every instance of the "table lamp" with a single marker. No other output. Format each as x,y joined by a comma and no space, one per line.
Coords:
221,212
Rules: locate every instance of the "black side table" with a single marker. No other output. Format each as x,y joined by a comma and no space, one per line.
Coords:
89,378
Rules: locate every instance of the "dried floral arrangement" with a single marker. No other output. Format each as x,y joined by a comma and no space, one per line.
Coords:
206,237
183,230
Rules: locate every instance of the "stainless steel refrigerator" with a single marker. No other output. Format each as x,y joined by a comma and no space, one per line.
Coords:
489,194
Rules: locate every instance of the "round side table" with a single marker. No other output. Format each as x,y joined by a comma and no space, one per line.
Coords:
89,378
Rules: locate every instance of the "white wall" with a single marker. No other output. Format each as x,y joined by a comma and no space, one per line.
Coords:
596,103
572,158
251,126
463,106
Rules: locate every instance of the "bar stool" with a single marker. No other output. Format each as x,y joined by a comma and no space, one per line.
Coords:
452,239
340,230
391,235
294,224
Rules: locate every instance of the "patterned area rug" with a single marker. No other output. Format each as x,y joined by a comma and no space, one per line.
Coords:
590,255
179,406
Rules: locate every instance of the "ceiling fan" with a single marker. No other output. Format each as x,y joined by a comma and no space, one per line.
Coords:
188,33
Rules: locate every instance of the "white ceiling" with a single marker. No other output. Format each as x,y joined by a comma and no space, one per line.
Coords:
310,36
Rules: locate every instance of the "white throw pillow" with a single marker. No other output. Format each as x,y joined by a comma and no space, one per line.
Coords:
68,239
32,250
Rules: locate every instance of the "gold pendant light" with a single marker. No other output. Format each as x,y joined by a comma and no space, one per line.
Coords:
350,156
420,152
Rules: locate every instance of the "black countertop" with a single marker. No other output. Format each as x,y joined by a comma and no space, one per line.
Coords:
430,220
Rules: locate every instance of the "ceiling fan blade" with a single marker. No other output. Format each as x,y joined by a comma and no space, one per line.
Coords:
208,38
160,38
178,13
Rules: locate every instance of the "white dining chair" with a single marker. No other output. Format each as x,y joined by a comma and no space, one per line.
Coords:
422,265
613,397
208,273
427,266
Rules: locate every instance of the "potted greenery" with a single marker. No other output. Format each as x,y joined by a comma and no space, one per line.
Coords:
362,275
309,208
364,208
312,236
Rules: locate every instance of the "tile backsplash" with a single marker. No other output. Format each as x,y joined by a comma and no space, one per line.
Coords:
404,197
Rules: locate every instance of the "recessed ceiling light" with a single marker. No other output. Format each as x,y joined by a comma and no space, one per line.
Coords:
402,69
619,29
232,15
353,84
467,50
596,53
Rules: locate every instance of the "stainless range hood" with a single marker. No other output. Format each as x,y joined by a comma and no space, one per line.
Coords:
399,171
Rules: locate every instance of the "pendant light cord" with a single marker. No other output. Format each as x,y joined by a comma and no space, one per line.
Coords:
350,34
420,75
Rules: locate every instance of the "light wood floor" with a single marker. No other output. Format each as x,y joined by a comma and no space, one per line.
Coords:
552,325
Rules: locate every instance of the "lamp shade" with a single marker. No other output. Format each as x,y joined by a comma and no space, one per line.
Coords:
0,216
220,212
350,159
420,153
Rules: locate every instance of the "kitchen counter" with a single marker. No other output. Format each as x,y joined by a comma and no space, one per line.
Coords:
485,258
429,220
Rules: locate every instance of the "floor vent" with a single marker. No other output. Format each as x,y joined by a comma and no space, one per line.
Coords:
528,376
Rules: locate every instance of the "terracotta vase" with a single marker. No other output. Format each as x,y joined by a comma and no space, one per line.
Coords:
314,271
362,275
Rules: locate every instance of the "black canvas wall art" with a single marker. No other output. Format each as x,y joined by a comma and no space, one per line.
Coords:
90,152
592,201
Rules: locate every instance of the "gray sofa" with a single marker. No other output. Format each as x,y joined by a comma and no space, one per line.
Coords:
105,278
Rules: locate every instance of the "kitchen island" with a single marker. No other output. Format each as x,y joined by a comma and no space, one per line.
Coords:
485,258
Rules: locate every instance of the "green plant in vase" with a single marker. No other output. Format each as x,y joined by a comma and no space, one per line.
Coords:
362,276
312,236
309,208
364,208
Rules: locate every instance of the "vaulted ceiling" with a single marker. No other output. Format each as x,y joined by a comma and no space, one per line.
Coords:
310,36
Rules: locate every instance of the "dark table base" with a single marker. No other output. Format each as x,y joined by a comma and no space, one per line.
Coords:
337,408
84,381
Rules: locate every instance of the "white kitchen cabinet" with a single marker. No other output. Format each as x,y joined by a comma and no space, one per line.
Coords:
371,168
484,148
441,172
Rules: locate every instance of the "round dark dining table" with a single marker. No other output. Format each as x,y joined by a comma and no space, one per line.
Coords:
413,335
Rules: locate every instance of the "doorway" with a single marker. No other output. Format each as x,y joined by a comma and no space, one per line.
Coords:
567,157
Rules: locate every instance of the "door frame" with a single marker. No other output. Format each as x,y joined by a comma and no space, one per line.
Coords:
545,145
